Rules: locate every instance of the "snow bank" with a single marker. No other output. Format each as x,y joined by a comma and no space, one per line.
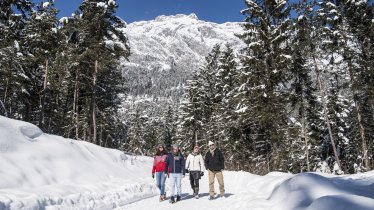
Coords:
40,171
312,191
307,191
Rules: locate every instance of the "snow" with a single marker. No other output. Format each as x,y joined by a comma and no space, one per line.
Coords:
277,191
111,2
64,20
41,171
242,110
16,45
45,4
101,4
287,56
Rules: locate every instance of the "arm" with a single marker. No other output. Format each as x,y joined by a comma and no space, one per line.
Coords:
188,162
222,160
183,162
166,170
202,165
154,165
207,161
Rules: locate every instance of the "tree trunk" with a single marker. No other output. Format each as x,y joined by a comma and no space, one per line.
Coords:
306,140
42,99
5,97
75,105
364,144
6,90
325,111
94,137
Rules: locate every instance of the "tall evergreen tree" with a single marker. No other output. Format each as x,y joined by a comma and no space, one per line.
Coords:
40,41
13,79
264,74
101,45
304,130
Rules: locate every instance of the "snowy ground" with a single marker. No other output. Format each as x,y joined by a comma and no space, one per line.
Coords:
277,191
40,171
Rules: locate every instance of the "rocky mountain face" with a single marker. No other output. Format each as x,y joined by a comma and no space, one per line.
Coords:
165,51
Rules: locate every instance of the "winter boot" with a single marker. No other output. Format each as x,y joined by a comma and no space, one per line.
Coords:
172,200
196,190
178,197
211,198
161,198
164,196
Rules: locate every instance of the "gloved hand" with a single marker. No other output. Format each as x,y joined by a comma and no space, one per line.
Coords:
153,176
202,173
186,171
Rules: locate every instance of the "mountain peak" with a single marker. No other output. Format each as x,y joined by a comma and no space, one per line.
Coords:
177,16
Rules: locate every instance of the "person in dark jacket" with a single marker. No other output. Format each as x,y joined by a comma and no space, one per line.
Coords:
215,163
175,165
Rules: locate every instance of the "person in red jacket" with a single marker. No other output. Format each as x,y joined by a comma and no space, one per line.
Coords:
159,163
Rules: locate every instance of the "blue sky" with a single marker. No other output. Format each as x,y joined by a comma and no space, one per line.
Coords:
135,10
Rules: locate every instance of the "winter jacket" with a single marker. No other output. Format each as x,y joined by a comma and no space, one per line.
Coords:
214,162
175,163
195,162
159,163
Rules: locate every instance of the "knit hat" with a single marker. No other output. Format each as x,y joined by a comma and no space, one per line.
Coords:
210,143
175,146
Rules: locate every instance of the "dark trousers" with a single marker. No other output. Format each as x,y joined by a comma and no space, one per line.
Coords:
194,180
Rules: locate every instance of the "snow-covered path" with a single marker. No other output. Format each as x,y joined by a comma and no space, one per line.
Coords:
188,202
276,191
240,187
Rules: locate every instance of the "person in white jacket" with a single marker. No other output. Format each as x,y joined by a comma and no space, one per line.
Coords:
195,166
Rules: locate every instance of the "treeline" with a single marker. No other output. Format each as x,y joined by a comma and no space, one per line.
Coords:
299,97
63,75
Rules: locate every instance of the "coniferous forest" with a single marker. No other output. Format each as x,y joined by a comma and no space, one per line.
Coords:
299,96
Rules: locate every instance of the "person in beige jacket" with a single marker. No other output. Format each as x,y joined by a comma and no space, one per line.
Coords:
195,166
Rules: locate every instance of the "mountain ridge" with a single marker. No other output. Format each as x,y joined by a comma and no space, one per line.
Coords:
165,51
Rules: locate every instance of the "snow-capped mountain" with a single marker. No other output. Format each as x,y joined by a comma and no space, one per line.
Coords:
166,50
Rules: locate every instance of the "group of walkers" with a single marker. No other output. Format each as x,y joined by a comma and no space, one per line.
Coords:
174,166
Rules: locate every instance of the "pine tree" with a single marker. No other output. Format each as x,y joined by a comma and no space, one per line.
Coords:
101,44
223,115
341,47
169,129
196,117
40,41
264,74
304,132
358,34
13,79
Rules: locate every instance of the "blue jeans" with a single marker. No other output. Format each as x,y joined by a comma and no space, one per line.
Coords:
176,184
160,179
